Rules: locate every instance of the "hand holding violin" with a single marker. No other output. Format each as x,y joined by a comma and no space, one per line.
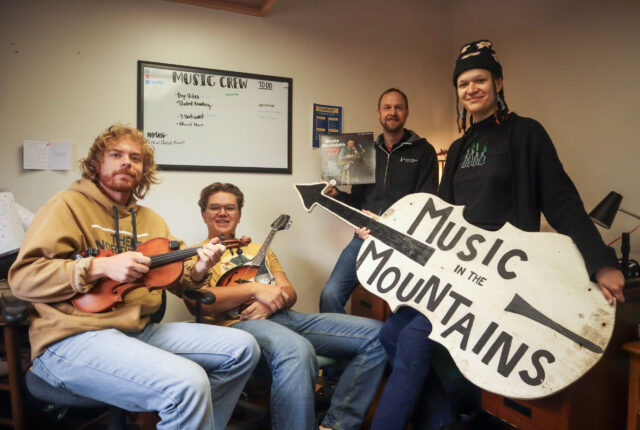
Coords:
208,256
158,264
125,267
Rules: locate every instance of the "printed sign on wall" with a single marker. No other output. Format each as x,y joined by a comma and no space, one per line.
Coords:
326,120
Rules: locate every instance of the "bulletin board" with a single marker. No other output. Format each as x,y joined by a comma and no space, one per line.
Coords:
208,119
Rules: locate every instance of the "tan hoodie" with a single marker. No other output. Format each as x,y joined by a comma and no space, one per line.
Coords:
46,274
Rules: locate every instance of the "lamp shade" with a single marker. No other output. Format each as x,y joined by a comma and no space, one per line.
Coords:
605,212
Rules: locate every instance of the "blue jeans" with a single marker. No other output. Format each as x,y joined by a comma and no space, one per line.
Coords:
192,374
343,279
404,336
289,342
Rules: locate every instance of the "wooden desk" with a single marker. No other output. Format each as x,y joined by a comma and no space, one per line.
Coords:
365,304
596,401
633,348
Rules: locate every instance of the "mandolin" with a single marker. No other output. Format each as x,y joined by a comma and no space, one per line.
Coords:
516,310
254,270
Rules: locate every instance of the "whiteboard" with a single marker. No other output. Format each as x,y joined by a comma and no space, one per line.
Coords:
207,119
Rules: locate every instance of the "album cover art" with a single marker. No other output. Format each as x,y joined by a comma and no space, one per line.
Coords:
348,158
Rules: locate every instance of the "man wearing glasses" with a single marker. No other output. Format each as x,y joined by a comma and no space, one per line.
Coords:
289,340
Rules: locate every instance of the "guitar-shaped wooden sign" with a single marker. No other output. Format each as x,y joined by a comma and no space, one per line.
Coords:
254,270
516,310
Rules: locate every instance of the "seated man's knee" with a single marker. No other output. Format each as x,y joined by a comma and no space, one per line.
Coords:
296,356
192,382
328,293
334,295
242,354
250,349
378,353
299,349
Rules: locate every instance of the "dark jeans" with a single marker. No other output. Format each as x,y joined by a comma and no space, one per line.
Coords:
404,336
343,279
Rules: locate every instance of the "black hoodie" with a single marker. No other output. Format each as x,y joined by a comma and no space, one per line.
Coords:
410,167
540,184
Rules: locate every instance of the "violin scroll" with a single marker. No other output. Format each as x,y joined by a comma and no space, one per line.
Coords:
234,243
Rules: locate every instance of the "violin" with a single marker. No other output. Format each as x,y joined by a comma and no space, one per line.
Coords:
165,270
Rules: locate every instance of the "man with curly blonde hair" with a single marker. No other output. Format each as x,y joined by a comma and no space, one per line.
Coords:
91,164
192,374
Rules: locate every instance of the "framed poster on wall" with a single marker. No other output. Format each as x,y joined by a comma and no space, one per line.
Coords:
207,119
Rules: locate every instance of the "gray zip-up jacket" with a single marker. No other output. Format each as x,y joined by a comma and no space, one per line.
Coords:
410,167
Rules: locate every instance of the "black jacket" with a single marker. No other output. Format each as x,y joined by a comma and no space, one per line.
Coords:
410,167
540,184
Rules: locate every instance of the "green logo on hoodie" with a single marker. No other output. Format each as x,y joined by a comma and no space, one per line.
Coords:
474,156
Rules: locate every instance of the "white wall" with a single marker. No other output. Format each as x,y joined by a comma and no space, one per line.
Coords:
69,70
573,66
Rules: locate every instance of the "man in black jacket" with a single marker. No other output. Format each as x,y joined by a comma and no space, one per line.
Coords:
405,164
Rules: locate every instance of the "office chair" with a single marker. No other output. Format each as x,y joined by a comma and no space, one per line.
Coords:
46,397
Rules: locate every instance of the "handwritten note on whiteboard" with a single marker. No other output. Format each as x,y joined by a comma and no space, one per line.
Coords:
206,119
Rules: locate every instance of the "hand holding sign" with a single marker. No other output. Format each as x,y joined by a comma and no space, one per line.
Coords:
516,310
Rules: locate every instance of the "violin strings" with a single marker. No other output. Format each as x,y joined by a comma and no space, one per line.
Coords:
170,257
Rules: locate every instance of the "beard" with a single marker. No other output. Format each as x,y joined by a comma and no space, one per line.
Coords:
392,128
120,184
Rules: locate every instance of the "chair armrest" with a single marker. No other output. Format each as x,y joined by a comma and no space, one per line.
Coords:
14,310
201,296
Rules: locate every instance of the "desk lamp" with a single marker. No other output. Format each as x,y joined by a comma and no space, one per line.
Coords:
604,213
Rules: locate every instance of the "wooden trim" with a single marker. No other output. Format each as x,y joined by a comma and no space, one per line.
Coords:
266,7
231,6
18,417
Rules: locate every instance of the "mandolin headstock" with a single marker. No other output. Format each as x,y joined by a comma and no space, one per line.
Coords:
283,222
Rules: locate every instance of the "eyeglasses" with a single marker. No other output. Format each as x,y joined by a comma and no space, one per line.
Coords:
230,209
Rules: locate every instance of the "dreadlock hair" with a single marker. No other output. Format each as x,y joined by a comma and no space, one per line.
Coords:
502,110
501,114
461,117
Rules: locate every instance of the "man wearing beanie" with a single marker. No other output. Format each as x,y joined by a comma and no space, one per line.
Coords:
503,169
